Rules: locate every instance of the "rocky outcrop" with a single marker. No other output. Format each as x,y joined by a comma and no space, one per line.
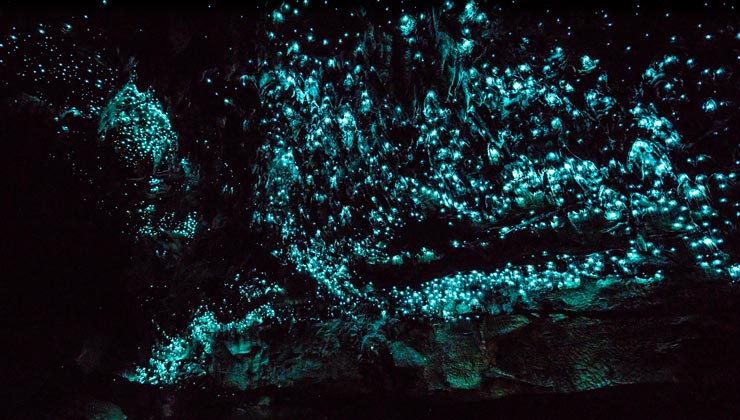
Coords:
603,335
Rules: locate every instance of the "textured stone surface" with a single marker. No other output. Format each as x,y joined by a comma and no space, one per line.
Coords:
587,339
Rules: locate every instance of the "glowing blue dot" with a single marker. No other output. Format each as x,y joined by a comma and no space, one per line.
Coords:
407,25
709,106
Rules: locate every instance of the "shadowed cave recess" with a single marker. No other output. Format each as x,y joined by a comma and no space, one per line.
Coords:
285,209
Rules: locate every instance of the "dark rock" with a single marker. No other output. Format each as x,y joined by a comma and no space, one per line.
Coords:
590,339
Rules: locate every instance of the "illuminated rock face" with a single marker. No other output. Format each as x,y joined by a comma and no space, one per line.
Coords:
439,199
599,336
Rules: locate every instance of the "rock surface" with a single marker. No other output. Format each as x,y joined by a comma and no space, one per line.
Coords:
588,339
